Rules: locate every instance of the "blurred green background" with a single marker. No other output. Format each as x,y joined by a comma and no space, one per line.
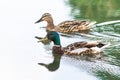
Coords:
99,10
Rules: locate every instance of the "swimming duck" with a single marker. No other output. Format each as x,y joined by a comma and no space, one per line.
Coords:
83,48
65,26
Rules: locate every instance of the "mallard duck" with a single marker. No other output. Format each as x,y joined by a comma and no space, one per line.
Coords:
65,26
82,48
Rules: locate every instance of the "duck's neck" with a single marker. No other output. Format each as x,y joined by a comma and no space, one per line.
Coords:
50,24
57,50
57,42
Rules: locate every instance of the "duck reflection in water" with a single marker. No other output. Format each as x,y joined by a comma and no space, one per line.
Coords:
55,64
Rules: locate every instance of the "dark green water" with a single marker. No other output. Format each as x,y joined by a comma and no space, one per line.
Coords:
100,10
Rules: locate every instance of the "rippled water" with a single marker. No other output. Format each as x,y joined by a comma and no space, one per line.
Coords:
20,53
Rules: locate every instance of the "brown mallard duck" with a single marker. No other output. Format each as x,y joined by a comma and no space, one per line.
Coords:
65,26
91,49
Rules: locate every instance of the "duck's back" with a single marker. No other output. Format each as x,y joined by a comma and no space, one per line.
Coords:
74,26
76,45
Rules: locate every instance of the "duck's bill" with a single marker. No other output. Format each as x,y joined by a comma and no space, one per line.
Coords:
38,21
44,40
38,37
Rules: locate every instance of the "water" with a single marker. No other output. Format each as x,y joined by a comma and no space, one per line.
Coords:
20,53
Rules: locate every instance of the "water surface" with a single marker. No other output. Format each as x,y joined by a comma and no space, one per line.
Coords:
20,53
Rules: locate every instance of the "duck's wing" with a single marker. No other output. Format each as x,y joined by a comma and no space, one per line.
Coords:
91,44
77,48
84,44
74,26
95,44
86,25
67,27
90,49
76,45
79,51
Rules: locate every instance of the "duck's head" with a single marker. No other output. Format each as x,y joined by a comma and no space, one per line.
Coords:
45,17
53,36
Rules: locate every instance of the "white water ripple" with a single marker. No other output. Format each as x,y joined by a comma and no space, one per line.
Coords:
93,67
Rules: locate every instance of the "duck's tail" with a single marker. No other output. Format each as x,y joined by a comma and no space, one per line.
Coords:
105,23
92,24
108,22
105,46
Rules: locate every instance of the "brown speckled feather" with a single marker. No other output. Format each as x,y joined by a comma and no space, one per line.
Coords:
74,26
83,48
76,45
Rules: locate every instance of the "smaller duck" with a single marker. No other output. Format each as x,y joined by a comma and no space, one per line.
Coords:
83,48
66,26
